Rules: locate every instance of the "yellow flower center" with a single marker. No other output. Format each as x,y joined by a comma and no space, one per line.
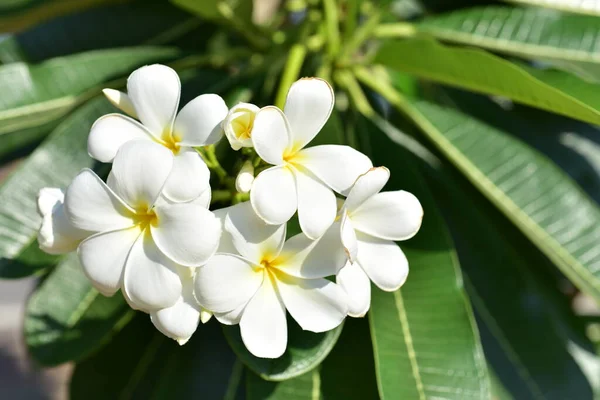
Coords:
243,124
146,218
171,141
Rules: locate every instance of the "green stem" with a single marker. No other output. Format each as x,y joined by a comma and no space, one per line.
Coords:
395,30
349,82
351,18
362,33
221,196
331,23
210,158
290,72
383,88
242,27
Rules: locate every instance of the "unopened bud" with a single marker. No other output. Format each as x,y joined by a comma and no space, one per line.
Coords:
243,182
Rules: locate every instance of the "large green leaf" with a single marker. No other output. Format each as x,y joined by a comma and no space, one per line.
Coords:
477,70
305,350
139,23
566,40
53,164
588,7
425,340
539,198
35,97
347,373
66,318
141,363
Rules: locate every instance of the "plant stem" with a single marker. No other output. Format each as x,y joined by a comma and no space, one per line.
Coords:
349,82
395,30
351,19
290,72
210,158
333,30
381,87
247,30
362,33
220,195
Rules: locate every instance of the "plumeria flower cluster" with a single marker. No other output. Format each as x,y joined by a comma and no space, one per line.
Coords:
148,231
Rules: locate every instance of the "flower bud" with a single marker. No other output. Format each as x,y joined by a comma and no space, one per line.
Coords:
238,125
243,182
56,234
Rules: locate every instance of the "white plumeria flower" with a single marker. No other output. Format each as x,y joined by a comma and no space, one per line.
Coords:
238,125
244,179
138,243
153,92
370,223
256,275
56,234
302,179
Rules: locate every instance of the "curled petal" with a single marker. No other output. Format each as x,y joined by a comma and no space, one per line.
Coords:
271,135
151,281
154,91
121,101
383,261
252,237
263,325
366,186
92,206
238,125
316,204
187,233
112,131
226,282
140,171
308,107
103,258
337,166
273,195
199,122
318,305
348,237
389,215
357,286
189,177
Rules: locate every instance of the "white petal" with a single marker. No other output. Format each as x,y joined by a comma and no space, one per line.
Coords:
337,166
316,204
56,234
271,135
121,101
254,239
309,259
389,215
90,205
226,243
226,282
205,315
180,321
199,122
273,195
383,261
238,125
244,179
103,258
308,107
348,237
366,186
151,280
189,177
187,233
318,305
357,286
263,325
139,173
112,131
154,91
232,317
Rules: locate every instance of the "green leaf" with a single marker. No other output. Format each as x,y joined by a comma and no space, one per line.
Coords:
425,341
139,23
66,318
555,91
565,40
525,332
305,350
142,363
544,203
347,373
214,9
36,97
53,164
587,7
